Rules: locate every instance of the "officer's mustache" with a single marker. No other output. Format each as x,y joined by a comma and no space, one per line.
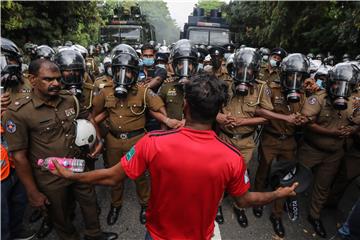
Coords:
54,88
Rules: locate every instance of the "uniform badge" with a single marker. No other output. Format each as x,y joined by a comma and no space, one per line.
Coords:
246,177
10,126
130,154
312,100
69,112
171,92
268,91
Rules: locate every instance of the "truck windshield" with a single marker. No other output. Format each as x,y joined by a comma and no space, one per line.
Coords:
119,33
209,37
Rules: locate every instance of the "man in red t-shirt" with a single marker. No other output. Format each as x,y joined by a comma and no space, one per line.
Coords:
190,168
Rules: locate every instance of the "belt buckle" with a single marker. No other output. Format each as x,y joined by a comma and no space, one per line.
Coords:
282,137
237,136
123,136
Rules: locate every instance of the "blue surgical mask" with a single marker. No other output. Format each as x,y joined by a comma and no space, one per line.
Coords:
273,63
319,82
148,61
161,66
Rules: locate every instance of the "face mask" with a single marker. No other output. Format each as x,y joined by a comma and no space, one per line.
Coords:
226,55
200,67
161,66
242,89
319,82
108,71
148,62
273,63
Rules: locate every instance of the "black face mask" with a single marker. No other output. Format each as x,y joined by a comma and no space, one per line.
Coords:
121,81
340,103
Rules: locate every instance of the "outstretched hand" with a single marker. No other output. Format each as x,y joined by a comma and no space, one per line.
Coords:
61,171
283,192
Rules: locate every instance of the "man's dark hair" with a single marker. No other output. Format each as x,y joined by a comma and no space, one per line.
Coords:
35,65
205,95
147,46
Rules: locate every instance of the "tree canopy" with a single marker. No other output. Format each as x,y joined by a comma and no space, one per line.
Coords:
297,26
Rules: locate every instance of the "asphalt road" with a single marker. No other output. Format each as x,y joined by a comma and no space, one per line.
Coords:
129,227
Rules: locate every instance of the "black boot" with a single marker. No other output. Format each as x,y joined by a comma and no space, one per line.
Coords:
113,215
45,228
35,216
318,226
258,211
219,216
277,225
103,236
241,217
143,215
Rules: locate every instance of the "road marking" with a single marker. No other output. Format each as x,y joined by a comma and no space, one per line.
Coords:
217,235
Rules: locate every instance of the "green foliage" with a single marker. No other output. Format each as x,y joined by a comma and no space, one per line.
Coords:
210,4
43,22
297,26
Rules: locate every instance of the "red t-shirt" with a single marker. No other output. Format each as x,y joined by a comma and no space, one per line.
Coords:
190,170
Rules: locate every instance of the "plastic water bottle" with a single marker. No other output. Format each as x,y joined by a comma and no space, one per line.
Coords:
73,164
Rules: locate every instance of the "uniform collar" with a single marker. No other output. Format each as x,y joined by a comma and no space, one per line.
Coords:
37,101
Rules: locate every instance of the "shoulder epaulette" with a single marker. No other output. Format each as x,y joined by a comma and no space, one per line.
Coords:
18,103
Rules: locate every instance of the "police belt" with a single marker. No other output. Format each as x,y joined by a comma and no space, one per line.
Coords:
279,135
237,135
127,135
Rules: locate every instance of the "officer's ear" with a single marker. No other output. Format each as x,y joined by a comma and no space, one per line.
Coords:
32,79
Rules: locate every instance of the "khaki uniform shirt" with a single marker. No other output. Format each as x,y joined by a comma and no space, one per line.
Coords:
267,76
44,129
127,114
319,109
283,107
244,107
172,93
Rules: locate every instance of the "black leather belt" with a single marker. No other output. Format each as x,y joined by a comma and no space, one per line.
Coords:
237,135
279,135
127,135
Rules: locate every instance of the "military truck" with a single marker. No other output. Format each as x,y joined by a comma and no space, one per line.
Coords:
127,26
207,30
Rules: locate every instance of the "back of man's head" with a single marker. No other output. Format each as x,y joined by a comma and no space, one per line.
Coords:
205,95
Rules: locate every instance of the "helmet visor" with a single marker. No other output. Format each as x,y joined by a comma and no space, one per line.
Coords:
293,80
185,67
72,77
244,74
123,75
340,89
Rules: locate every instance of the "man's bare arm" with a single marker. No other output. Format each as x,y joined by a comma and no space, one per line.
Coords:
108,176
261,198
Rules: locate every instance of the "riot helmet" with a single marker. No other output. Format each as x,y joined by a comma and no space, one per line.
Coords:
320,57
246,68
330,60
230,65
82,50
10,62
107,66
44,51
85,134
125,69
72,67
310,56
184,59
294,70
342,81
265,53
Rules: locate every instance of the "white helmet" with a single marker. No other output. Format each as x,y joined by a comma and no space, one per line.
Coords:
85,133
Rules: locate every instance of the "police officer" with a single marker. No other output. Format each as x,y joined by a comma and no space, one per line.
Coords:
41,125
331,120
238,120
13,83
265,53
278,138
125,105
184,62
72,67
270,72
218,63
